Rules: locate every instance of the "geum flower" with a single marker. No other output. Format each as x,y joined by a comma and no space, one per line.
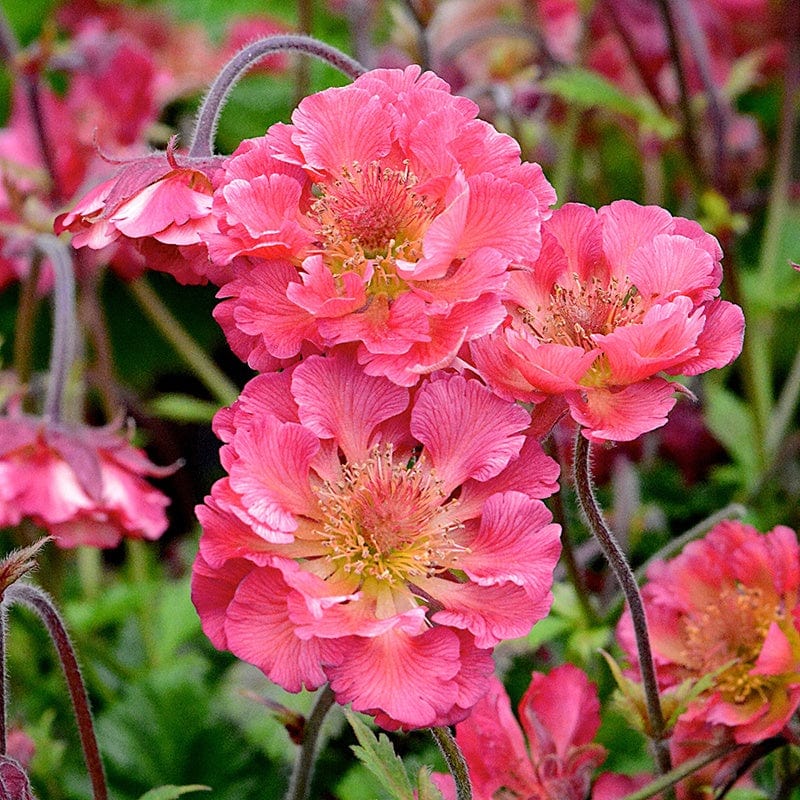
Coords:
385,214
84,486
727,607
559,714
379,547
617,298
160,204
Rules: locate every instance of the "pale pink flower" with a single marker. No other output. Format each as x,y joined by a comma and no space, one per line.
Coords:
378,539
618,299
728,607
157,203
398,213
559,714
85,486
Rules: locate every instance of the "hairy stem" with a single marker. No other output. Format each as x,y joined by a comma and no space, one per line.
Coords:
206,126
627,580
217,383
454,759
40,603
304,766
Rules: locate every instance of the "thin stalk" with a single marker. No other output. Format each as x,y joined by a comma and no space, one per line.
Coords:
3,686
40,603
9,46
208,117
784,408
138,562
302,79
217,383
563,170
627,580
423,46
304,766
90,571
454,759
684,770
26,316
689,129
65,324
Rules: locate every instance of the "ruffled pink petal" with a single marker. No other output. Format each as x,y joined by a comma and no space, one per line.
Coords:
467,431
408,678
516,542
777,656
721,340
623,414
262,308
626,227
532,473
494,748
341,127
324,295
336,400
565,705
666,337
259,631
483,271
577,230
213,589
669,266
272,472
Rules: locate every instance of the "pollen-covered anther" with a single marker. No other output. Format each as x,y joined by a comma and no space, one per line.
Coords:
579,310
388,520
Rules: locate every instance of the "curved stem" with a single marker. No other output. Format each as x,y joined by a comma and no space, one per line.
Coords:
454,759
217,383
423,46
304,766
65,328
206,126
627,580
3,687
41,604
26,316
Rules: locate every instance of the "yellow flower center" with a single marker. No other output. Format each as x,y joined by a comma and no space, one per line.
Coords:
369,218
388,521
728,635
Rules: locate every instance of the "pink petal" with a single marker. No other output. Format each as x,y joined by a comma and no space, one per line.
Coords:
338,401
622,415
259,631
409,679
626,227
721,340
468,432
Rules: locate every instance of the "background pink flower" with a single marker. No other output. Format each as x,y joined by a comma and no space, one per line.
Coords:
85,486
375,538
398,212
618,298
728,607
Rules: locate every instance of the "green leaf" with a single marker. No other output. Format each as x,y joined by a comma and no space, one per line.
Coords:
182,408
171,792
731,421
379,757
426,789
585,89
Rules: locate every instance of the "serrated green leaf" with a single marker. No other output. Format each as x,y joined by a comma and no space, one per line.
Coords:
426,789
585,89
171,792
378,756
182,408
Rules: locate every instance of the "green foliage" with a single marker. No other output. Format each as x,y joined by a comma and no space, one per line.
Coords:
172,792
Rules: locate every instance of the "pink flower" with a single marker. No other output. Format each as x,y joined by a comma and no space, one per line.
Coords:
381,546
162,206
85,486
385,214
728,607
617,298
560,715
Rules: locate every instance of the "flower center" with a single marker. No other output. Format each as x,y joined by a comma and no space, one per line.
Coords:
728,635
388,521
576,312
368,219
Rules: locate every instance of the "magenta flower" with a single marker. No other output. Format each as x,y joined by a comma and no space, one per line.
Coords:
379,546
728,607
85,486
158,204
560,715
618,298
385,214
